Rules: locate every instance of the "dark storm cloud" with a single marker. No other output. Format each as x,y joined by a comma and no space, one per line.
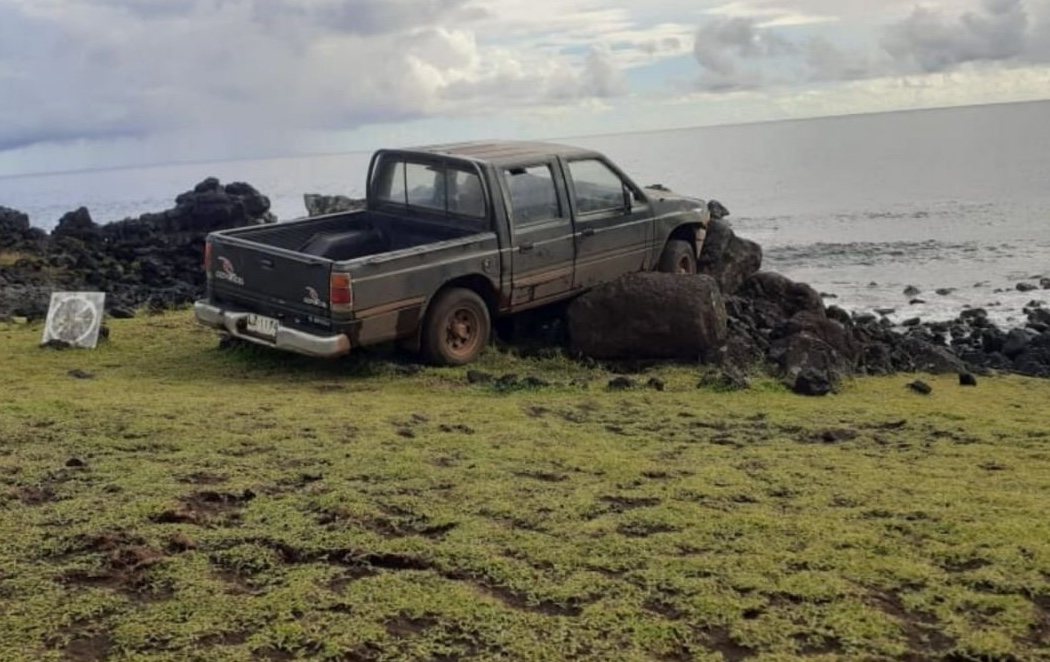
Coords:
738,53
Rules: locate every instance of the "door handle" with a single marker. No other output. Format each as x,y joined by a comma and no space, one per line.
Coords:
589,232
526,247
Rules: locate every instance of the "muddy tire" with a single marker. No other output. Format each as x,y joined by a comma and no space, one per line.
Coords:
456,329
678,258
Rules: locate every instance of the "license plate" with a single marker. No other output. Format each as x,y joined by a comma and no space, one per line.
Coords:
258,325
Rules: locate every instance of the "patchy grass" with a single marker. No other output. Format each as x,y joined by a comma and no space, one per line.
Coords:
11,258
191,503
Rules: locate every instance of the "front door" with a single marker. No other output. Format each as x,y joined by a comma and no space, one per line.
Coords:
541,227
613,224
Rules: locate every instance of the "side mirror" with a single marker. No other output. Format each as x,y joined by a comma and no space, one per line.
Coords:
628,197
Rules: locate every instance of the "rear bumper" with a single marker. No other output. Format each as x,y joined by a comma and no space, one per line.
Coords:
288,339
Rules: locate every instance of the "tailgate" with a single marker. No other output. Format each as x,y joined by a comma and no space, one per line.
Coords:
268,280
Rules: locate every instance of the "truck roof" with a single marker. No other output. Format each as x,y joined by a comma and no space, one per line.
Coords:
505,152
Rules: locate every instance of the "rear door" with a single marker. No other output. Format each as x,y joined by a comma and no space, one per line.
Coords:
271,281
541,232
614,230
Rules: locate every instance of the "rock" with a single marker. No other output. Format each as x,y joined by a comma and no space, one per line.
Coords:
912,291
929,358
839,315
921,387
534,382
828,295
885,311
320,205
727,378
656,384
787,295
945,291
507,382
77,373
77,224
913,322
837,435
121,313
479,377
967,379
717,209
727,258
1026,287
75,463
621,384
1044,283
1016,342
813,382
650,315
916,302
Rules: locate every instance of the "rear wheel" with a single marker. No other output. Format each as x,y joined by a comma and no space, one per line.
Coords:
457,328
678,258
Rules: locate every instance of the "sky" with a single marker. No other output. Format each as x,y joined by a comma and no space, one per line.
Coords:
108,83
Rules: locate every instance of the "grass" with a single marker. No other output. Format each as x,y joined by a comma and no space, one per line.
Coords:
192,503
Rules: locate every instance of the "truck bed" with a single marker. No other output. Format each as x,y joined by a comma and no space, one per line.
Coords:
350,236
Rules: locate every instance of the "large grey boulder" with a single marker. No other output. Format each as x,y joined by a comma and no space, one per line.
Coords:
727,258
650,316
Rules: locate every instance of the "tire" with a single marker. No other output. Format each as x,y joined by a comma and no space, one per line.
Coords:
456,329
678,258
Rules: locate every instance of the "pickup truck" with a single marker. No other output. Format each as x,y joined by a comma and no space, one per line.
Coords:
452,237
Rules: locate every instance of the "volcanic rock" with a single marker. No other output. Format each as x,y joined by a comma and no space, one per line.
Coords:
727,258
650,315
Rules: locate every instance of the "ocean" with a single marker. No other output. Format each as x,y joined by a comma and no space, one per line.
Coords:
860,207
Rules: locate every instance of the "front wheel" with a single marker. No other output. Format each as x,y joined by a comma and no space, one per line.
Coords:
678,258
456,329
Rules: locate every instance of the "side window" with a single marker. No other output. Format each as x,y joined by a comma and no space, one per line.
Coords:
465,196
425,186
533,196
597,187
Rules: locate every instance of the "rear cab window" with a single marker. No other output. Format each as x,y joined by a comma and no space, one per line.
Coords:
435,188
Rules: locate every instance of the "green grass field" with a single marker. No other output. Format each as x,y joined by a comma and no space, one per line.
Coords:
192,503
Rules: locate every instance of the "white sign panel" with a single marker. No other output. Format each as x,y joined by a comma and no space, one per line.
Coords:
75,318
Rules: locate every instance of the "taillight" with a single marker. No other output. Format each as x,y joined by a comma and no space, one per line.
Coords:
340,292
207,258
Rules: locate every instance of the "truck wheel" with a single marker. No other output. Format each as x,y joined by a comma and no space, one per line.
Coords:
457,328
678,258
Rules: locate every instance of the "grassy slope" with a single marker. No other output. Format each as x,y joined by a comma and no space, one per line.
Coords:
247,503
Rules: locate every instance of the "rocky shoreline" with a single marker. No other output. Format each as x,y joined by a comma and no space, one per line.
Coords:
733,315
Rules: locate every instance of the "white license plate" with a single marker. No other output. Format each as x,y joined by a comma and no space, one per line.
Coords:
259,325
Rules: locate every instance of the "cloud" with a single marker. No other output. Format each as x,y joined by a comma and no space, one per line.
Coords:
743,50
933,41
260,72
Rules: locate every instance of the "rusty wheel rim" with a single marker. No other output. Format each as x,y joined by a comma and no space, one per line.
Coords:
685,265
462,332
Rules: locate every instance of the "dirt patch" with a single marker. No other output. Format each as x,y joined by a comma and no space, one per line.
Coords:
621,504
644,529
126,566
720,640
34,495
522,602
404,626
88,647
203,478
462,429
545,476
205,508
922,631
339,583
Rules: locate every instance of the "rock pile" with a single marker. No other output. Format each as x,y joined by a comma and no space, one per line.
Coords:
320,205
776,323
152,260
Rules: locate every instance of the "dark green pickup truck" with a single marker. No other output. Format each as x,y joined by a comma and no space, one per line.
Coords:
452,237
